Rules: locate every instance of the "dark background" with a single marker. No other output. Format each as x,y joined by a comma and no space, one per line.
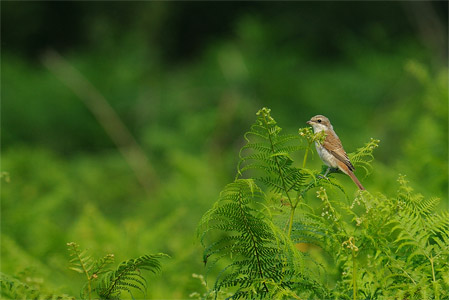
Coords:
182,30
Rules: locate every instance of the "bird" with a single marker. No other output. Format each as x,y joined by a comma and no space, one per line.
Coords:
331,150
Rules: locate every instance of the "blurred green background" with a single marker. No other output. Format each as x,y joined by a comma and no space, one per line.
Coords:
186,79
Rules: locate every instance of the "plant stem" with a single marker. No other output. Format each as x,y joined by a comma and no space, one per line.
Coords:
290,222
354,274
89,288
433,269
433,276
305,157
85,271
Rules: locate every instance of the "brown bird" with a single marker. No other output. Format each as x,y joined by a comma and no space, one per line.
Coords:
331,150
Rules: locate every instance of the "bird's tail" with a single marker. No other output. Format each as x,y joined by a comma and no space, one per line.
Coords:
356,181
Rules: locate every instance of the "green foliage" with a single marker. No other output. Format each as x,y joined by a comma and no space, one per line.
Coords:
66,180
249,240
14,288
205,293
271,152
99,277
107,283
395,243
363,157
128,276
242,229
421,245
373,247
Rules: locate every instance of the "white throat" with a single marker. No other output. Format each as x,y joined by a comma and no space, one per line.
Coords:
317,127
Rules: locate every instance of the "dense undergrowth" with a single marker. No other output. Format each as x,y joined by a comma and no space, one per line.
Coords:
279,243
282,230
63,179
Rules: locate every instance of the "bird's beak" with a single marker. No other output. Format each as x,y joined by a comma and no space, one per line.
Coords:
309,122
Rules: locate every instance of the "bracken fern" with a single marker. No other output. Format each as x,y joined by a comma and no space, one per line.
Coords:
371,247
14,288
107,283
128,276
239,227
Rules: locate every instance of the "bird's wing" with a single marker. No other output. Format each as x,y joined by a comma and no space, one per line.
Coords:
333,144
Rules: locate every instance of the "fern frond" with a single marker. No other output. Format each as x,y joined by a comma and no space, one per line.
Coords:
312,229
317,181
128,276
239,227
421,237
107,283
249,239
415,203
83,264
81,261
439,223
269,151
13,288
363,156
101,264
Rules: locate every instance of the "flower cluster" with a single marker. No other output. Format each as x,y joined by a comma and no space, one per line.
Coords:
328,211
350,244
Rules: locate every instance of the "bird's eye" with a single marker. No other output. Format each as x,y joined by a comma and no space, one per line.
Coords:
319,120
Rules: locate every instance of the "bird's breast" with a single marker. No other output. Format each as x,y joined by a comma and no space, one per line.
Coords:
326,156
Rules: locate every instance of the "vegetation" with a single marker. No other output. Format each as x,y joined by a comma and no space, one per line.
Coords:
110,283
123,124
104,282
372,247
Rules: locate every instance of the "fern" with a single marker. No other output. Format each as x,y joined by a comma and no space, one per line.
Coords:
248,240
404,249
128,276
240,226
107,283
371,246
14,288
259,252
269,151
414,204
363,156
422,236
82,263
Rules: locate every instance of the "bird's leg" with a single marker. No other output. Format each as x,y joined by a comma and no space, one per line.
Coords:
327,172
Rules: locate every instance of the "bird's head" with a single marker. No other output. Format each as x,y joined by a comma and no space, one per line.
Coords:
320,123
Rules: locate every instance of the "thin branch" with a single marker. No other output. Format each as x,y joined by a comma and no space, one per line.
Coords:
106,116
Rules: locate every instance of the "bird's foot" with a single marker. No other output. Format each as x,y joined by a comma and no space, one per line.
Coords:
329,170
